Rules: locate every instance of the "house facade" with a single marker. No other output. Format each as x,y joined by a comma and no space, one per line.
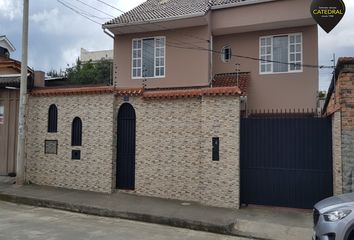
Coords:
95,56
169,126
10,76
170,47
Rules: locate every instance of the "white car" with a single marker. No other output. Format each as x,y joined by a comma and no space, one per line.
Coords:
334,218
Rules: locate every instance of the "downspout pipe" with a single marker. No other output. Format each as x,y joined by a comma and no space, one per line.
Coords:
109,33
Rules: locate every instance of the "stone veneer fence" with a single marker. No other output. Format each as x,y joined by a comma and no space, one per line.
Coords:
173,146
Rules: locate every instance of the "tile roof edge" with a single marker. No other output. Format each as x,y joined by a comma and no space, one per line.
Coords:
71,91
108,25
231,73
137,91
238,4
192,92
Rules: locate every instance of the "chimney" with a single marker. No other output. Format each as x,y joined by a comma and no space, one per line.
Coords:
39,78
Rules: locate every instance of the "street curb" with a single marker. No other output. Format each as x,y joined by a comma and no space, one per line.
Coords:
174,222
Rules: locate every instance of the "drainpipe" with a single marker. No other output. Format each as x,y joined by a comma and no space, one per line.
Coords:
211,47
109,33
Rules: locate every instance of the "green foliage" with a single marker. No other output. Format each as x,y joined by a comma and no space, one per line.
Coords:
55,73
322,95
90,73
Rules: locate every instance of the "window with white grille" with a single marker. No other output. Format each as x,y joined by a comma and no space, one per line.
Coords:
281,53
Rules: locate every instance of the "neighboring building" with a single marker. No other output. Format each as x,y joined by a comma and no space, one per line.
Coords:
162,46
95,56
10,76
56,81
6,46
339,106
170,125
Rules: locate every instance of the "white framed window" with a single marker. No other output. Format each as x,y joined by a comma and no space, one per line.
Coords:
281,49
226,54
148,57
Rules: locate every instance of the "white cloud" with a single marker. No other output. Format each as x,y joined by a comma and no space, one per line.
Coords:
10,9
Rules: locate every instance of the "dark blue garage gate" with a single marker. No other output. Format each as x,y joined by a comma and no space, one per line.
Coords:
286,161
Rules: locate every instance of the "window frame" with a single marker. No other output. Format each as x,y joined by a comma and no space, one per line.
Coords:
76,142
272,53
223,59
141,58
52,123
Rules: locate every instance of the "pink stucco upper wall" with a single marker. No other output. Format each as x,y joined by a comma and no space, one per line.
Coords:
184,67
266,15
240,28
278,90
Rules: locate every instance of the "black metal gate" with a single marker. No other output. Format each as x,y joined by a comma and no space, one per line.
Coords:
126,148
286,162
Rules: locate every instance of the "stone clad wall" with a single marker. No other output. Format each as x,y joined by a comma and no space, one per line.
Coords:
337,146
174,144
341,107
346,82
94,171
221,180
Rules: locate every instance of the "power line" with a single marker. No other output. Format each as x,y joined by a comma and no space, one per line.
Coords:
95,8
154,23
110,6
78,12
256,59
219,52
88,14
196,47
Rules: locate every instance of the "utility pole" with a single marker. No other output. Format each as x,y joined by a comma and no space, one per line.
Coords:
20,168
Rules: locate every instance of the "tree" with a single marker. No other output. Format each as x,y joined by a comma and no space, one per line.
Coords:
322,94
54,73
90,73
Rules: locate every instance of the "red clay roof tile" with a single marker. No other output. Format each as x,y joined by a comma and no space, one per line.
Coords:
148,94
192,92
231,79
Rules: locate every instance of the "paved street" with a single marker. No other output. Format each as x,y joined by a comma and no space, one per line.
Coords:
22,222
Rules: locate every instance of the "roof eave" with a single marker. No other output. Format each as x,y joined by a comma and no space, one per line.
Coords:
117,25
9,43
238,4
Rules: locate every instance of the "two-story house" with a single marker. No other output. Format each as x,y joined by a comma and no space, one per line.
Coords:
190,43
170,125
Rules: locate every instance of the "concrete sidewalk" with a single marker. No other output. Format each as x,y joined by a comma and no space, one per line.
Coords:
254,222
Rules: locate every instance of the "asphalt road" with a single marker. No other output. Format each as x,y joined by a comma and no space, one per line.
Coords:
20,222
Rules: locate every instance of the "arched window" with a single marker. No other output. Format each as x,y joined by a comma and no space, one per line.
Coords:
226,54
76,132
53,118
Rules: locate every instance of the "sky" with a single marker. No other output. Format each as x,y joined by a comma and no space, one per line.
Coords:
56,33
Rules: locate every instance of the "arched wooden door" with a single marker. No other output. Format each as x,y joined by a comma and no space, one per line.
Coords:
126,147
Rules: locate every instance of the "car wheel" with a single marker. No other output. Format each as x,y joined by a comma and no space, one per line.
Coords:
350,235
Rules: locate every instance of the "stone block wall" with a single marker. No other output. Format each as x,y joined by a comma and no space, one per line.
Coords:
346,82
94,171
341,107
337,151
174,148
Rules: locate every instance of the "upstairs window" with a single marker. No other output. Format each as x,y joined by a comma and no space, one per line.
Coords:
226,54
52,119
76,132
148,57
281,49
